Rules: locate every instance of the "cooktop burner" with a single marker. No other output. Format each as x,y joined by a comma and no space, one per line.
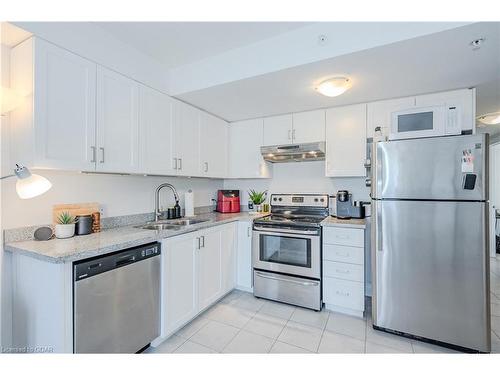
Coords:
297,210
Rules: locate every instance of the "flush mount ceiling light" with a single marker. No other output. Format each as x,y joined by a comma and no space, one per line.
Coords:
334,86
490,118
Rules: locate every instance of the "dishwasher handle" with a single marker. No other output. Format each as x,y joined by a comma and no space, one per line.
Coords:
125,259
91,267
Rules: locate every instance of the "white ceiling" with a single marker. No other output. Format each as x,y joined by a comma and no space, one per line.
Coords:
180,43
437,62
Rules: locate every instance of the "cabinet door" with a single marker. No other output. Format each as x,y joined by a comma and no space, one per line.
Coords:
463,99
245,159
308,126
213,146
228,257
179,302
117,122
244,256
155,132
278,130
186,139
379,114
209,267
64,109
346,141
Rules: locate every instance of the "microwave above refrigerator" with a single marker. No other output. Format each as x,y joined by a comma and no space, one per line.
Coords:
422,122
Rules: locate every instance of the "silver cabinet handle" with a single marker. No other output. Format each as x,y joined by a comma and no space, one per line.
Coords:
289,134
102,154
342,271
341,293
206,166
379,225
175,163
202,241
304,283
93,154
248,231
180,164
199,243
293,134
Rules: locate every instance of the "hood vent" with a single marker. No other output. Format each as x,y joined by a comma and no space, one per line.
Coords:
299,152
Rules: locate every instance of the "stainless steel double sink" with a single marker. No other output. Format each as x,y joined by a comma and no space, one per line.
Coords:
171,224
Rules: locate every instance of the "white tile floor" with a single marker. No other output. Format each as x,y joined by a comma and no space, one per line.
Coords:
240,323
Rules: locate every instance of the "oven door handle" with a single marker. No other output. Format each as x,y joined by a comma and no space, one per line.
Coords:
283,230
304,283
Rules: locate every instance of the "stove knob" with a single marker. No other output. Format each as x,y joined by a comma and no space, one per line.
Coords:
315,199
275,199
280,199
322,199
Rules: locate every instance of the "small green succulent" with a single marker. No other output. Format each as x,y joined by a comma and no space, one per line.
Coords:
257,197
66,218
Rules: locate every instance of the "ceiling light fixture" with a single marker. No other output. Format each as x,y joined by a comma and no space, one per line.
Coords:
490,118
334,86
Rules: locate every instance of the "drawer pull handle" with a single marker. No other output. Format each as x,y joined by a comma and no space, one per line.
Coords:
343,271
342,236
340,293
342,254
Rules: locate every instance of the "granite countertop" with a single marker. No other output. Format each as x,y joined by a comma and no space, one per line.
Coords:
331,221
110,240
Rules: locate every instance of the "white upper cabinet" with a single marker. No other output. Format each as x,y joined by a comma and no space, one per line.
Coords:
308,126
278,130
213,142
155,132
117,122
186,136
379,114
56,129
245,159
346,141
463,99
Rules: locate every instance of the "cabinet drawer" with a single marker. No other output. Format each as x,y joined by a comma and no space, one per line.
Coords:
344,254
343,293
345,271
344,236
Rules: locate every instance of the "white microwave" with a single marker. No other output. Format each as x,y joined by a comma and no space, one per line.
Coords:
423,122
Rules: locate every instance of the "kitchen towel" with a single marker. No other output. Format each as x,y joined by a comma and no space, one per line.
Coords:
189,203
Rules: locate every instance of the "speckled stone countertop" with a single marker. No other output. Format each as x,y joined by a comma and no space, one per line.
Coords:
331,221
110,240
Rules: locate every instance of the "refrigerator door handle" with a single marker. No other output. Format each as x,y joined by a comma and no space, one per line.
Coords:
379,227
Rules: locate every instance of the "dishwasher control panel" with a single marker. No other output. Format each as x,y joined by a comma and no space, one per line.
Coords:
94,266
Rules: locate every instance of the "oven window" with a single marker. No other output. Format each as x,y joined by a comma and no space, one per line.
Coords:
415,122
285,250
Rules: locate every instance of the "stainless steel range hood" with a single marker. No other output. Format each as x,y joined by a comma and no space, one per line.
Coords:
299,152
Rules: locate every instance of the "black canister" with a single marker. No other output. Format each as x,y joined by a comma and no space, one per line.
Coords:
83,225
177,210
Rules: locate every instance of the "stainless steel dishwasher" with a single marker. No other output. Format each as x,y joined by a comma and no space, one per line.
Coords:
117,301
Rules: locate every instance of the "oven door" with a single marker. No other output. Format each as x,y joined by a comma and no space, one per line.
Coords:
418,123
290,251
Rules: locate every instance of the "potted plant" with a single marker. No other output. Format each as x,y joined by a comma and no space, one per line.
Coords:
65,227
257,198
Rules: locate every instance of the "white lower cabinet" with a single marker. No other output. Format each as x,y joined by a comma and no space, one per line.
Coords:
344,270
244,256
197,269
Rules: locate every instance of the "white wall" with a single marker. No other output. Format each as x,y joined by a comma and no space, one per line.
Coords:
118,195
305,177
5,334
96,44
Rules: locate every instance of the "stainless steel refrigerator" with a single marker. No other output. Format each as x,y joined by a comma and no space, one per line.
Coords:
430,259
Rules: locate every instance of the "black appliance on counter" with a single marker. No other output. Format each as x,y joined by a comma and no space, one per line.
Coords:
346,208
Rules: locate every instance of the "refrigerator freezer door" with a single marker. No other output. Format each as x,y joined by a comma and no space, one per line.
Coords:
441,168
431,271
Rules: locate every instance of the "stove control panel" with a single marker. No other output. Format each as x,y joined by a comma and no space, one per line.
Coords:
300,200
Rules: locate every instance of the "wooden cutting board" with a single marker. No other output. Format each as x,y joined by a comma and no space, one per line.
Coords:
74,209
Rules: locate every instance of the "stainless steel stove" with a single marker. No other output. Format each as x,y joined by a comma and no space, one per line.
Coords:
286,250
